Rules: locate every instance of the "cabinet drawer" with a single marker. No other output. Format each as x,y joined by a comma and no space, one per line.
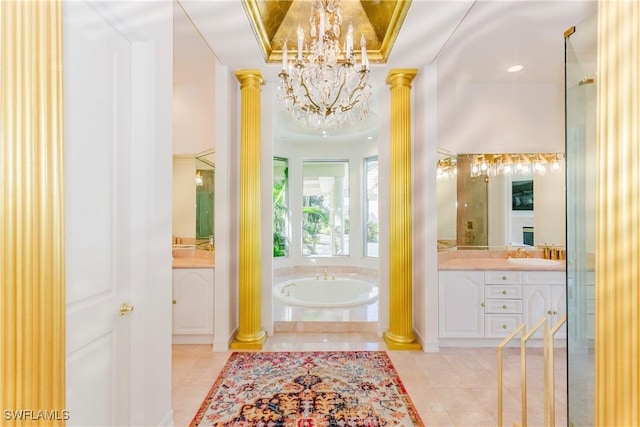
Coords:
511,306
500,325
503,291
498,277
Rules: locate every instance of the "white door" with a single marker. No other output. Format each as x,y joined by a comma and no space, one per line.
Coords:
97,70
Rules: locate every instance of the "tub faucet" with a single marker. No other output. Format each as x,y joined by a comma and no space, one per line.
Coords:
325,274
285,289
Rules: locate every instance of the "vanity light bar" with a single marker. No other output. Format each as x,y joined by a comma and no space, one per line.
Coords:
515,164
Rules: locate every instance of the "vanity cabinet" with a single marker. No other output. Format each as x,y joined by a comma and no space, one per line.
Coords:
193,305
491,304
460,295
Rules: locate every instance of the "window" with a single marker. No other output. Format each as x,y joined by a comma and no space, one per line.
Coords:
371,207
281,216
325,208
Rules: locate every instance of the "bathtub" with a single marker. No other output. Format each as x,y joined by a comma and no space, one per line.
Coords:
325,293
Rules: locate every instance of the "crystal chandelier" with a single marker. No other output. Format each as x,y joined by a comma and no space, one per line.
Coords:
326,88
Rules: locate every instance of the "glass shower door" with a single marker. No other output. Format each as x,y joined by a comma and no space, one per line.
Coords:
580,110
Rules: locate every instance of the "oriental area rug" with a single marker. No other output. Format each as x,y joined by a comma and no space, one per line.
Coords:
308,389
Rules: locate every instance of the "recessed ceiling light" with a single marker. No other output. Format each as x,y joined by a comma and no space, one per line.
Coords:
515,68
369,138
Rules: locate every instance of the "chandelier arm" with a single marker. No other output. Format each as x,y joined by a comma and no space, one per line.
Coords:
337,97
308,95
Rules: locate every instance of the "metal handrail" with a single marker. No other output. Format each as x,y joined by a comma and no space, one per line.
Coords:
523,366
551,390
504,342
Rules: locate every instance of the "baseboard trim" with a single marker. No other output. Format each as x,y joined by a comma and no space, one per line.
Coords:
167,421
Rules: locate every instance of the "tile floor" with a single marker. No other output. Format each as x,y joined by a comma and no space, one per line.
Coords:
455,387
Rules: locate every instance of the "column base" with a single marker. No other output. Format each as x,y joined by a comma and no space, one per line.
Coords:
253,343
395,342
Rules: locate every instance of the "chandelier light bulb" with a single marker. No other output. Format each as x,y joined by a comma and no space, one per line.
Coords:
349,43
300,35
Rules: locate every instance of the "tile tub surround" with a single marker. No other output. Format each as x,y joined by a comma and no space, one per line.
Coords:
492,260
193,258
310,271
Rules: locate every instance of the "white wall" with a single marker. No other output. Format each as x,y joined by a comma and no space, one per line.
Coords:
425,208
226,206
501,118
193,88
184,196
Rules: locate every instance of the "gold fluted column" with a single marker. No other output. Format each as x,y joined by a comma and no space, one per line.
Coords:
250,335
32,298
400,334
617,395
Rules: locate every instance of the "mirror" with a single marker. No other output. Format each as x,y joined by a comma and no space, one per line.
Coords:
193,134
205,195
447,199
481,204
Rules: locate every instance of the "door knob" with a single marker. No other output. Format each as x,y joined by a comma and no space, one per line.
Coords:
125,309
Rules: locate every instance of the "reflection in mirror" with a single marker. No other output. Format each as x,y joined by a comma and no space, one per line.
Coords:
501,200
472,214
447,199
205,196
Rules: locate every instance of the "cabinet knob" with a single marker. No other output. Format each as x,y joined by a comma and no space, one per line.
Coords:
482,305
504,277
504,292
555,312
549,312
504,307
174,301
504,326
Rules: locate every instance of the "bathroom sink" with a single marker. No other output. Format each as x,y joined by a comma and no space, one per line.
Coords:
535,261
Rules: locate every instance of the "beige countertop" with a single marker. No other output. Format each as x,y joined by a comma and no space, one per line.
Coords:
496,260
193,258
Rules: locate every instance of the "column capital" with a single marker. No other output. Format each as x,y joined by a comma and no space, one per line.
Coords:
401,76
249,78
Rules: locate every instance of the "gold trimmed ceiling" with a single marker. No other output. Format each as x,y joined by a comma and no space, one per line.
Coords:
274,21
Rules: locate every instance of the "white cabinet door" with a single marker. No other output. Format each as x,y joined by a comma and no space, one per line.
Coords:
540,301
193,301
537,304
461,294
558,309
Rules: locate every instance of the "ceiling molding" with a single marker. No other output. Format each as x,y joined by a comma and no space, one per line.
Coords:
272,22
